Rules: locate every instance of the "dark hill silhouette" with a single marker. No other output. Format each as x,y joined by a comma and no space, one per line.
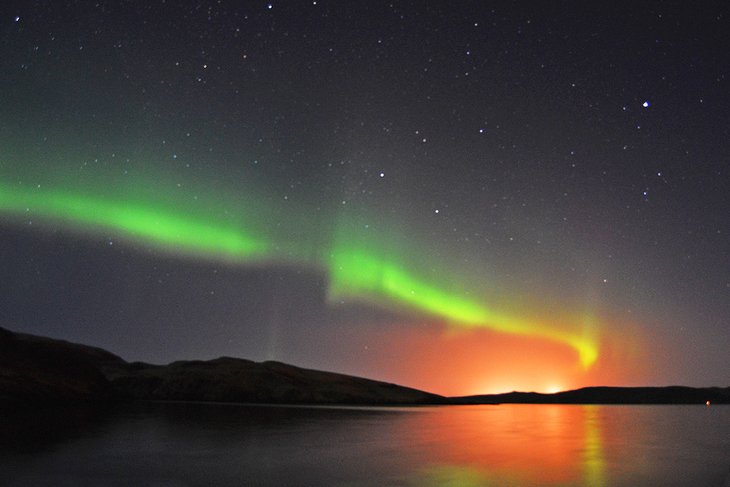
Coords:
36,371
609,395
236,380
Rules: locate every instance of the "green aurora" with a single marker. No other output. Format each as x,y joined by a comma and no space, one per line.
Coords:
357,269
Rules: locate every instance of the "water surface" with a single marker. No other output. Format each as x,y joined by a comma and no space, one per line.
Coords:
183,444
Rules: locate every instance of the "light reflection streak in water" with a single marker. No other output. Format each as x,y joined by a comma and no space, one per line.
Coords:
516,445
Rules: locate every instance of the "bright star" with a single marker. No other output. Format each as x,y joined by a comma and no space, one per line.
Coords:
645,104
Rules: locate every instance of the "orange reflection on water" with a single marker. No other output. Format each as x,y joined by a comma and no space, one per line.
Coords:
514,444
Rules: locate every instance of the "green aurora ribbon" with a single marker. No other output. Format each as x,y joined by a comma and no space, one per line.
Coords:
356,271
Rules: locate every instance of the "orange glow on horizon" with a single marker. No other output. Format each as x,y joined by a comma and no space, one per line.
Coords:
472,362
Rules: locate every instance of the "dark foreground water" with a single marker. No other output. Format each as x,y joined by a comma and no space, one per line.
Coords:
181,444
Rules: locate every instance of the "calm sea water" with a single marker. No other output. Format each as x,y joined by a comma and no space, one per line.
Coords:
179,444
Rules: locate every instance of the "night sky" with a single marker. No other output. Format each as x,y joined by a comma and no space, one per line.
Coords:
462,197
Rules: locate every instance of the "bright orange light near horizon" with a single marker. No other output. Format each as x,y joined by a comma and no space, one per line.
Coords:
474,362
521,385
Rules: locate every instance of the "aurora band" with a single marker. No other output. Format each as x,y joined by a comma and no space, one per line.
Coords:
355,271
